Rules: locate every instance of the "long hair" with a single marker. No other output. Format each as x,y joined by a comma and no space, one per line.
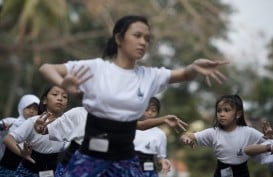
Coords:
120,28
235,102
43,107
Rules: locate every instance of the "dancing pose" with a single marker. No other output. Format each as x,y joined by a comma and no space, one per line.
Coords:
117,96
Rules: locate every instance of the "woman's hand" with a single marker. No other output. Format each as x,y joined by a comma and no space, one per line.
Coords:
72,82
176,123
209,69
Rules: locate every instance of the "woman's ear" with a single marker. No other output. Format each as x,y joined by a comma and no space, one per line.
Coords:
118,39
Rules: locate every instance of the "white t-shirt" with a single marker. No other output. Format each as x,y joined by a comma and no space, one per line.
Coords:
229,146
151,141
70,126
38,142
117,93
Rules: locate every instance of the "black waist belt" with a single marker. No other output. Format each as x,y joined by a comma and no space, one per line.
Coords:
119,134
145,158
67,154
10,160
240,170
43,162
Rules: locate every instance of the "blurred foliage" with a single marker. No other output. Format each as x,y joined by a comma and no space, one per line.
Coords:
35,32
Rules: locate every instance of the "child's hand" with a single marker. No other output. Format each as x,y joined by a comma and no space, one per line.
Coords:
267,130
176,123
187,140
166,166
26,152
40,125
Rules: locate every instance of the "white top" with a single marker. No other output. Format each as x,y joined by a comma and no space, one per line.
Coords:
70,126
117,93
24,102
151,141
38,142
229,146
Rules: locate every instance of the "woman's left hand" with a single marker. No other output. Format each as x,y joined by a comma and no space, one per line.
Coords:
209,69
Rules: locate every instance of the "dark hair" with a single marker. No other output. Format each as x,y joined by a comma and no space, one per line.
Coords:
43,107
120,28
235,102
155,102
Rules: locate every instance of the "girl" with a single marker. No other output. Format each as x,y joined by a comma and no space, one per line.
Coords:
44,153
228,138
151,144
117,96
27,107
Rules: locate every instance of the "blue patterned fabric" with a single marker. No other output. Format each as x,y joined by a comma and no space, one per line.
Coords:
23,172
59,170
82,165
4,172
150,174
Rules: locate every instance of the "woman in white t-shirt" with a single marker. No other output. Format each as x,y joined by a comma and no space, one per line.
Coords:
117,95
228,138
44,152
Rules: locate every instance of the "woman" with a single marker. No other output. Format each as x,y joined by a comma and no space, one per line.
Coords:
117,95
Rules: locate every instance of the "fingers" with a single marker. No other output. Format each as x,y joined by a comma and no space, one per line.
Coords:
81,74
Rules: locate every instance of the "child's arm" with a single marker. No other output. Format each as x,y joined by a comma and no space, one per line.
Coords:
10,143
255,149
170,120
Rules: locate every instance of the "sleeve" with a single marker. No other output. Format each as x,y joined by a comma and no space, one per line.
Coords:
205,137
162,152
65,127
23,132
256,136
157,77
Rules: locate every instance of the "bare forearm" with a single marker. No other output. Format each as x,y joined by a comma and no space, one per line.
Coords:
10,143
186,74
256,149
150,123
51,74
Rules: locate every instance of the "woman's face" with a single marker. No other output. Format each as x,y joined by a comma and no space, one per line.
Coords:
56,100
135,41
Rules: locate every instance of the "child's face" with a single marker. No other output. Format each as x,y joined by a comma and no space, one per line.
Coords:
56,100
226,115
150,112
30,111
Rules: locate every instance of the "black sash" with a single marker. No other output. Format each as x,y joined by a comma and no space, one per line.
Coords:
10,160
240,170
145,158
43,162
119,134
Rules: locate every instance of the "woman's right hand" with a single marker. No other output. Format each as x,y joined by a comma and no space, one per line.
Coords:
71,82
